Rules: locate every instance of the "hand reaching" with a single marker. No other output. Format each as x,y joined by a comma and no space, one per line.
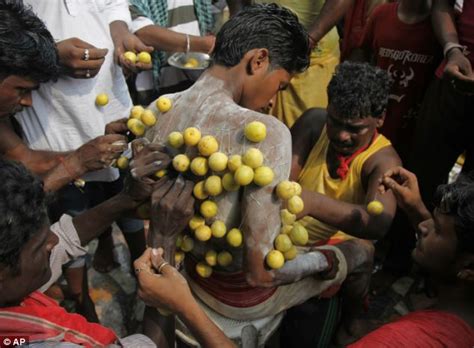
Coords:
404,186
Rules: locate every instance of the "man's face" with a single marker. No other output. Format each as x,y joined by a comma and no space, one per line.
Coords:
262,86
15,93
33,269
346,136
436,247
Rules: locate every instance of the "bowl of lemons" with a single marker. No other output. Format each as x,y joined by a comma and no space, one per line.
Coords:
190,60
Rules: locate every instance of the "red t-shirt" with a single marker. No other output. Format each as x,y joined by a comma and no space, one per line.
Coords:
410,54
354,22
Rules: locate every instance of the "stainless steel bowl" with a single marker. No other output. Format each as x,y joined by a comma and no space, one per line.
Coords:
179,60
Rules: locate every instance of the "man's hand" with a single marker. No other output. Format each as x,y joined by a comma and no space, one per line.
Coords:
98,153
459,71
117,127
72,56
166,290
404,185
172,206
147,160
130,42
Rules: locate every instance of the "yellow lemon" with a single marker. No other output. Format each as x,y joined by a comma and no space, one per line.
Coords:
234,237
285,190
287,218
161,173
235,161
144,57
297,188
229,183
208,145
295,205
203,233
218,229
191,63
181,163
148,118
299,235
178,257
253,158
199,166
208,209
218,161
283,243
136,112
179,241
263,176
196,221
286,229
143,211
164,104
291,254
244,175
211,257
175,139
213,185
203,270
375,208
275,259
191,136
255,131
122,162
131,56
102,99
224,258
199,191
136,127
187,244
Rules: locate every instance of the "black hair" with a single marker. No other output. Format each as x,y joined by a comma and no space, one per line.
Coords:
457,199
264,26
359,90
27,48
22,210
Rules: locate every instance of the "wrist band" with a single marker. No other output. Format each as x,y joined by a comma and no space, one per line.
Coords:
451,45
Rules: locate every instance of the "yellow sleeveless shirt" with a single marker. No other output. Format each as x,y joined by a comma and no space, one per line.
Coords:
315,177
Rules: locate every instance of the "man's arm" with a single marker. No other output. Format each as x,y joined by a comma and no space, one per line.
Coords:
331,13
353,218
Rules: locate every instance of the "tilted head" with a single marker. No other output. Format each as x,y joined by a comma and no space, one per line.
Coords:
445,245
358,95
28,56
270,42
25,238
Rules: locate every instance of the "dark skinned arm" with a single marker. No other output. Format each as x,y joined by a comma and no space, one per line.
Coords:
331,13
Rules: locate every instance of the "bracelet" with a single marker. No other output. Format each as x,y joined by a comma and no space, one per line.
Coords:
451,45
188,44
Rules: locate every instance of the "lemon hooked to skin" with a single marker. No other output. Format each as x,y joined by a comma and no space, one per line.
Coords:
148,118
297,187
285,190
244,175
144,57
291,254
136,111
196,221
164,104
234,237
224,258
255,131
283,243
375,208
102,99
235,161
286,217
175,139
191,136
213,185
295,205
161,173
199,166
208,145
275,259
286,229
228,183
253,158
211,257
208,209
218,229
178,257
122,162
203,270
136,127
299,235
181,163
203,233
263,176
187,244
218,161
199,191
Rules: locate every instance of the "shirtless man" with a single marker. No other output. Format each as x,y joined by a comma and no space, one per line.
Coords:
256,54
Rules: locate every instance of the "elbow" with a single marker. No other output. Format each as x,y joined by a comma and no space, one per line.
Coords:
262,279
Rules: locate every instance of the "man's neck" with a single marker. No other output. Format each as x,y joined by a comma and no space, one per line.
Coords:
457,299
414,11
232,80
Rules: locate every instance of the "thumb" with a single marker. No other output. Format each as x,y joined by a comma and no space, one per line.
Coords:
157,257
393,185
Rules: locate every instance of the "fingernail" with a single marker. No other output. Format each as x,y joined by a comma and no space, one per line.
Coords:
158,162
154,251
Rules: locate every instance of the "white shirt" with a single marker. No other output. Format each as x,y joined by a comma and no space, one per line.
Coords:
64,115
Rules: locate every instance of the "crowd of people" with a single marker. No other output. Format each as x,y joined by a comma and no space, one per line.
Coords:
362,102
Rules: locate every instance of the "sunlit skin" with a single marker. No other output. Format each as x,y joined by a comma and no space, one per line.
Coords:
33,270
15,93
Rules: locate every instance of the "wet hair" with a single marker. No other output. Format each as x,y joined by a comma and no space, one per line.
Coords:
22,210
359,90
457,199
27,48
264,26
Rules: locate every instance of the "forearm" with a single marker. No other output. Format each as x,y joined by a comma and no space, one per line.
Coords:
203,329
443,22
303,266
93,222
118,29
158,240
331,13
167,40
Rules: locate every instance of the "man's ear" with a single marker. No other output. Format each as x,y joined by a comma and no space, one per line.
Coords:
466,268
259,61
380,120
